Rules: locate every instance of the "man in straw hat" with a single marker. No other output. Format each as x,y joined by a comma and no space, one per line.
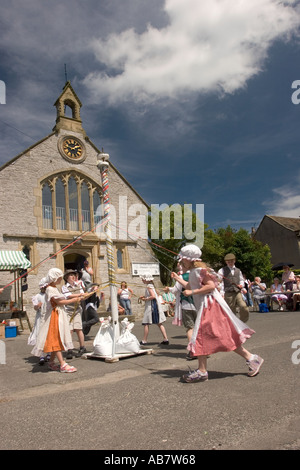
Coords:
233,282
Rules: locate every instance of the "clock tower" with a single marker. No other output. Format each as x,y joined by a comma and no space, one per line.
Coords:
69,143
68,98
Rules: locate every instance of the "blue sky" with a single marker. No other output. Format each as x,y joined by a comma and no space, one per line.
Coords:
191,98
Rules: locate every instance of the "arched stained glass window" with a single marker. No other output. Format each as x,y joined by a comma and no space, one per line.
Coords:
76,200
47,207
60,205
73,204
97,207
85,207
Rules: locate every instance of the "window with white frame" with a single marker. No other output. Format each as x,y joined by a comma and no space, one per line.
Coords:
69,202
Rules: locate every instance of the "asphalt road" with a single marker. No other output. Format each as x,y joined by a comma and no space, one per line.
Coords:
140,403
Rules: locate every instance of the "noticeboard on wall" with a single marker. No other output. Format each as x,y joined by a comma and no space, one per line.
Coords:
139,269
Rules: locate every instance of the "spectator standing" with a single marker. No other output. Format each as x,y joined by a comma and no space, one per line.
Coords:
288,278
87,274
125,294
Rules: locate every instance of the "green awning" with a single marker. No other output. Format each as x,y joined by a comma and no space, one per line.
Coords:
12,260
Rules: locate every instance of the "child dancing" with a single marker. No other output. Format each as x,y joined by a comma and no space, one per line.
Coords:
216,328
54,333
38,301
153,313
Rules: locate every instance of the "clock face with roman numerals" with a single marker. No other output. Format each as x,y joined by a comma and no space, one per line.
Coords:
72,148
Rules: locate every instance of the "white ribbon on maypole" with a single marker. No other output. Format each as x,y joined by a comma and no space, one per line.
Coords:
103,166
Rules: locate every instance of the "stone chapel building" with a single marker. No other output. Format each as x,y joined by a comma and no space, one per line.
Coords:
50,194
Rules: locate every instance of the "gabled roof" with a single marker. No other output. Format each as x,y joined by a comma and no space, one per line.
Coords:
68,85
87,139
290,223
25,151
97,150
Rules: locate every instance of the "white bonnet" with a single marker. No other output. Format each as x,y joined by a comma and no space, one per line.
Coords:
147,277
190,252
53,275
43,283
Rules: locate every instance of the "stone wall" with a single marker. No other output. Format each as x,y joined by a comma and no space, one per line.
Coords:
21,216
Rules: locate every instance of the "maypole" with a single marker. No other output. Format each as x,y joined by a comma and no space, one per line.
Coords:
103,166
131,346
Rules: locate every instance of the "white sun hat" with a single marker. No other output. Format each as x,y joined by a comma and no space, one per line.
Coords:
53,275
43,283
190,252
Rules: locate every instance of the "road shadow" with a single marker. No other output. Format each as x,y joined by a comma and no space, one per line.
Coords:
36,366
212,375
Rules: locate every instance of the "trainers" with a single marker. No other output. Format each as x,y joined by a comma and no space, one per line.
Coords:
254,365
195,376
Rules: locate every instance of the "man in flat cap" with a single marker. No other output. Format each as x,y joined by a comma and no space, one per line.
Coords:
233,282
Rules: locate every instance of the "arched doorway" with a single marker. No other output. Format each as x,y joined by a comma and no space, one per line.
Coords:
74,261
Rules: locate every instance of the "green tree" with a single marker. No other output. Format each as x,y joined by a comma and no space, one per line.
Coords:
252,257
170,227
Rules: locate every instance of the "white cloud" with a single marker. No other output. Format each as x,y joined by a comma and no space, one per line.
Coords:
286,200
208,45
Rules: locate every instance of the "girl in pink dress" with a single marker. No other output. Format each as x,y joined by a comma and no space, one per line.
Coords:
217,328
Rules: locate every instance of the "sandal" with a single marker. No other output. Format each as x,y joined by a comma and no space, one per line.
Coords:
67,368
53,366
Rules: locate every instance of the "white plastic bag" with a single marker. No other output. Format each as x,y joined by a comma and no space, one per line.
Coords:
104,338
127,342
